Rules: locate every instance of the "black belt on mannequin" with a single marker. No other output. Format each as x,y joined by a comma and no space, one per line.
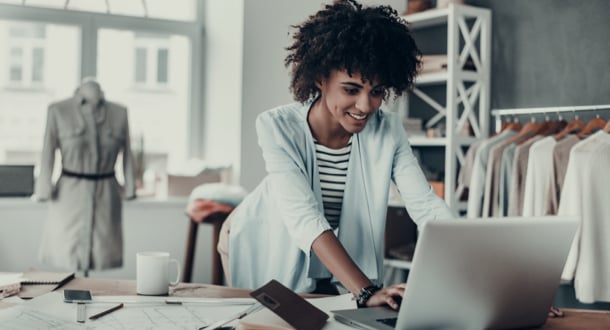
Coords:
87,176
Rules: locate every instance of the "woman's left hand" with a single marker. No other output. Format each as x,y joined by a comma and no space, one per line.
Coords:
391,296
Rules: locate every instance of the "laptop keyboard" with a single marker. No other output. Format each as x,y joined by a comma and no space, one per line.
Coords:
391,321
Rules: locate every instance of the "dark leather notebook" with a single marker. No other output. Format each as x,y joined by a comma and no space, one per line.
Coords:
291,307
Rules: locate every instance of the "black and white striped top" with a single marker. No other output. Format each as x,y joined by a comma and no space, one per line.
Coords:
332,167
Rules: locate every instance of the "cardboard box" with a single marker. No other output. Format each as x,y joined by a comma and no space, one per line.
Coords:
182,185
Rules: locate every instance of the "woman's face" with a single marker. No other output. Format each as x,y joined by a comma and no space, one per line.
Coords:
350,101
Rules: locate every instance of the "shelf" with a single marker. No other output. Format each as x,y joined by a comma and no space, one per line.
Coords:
433,17
423,141
467,32
396,263
427,18
443,77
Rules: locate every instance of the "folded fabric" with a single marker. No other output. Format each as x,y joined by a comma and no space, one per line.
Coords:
10,284
199,209
438,63
433,63
219,192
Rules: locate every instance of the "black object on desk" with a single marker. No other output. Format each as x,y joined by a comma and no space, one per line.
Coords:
77,296
16,180
291,307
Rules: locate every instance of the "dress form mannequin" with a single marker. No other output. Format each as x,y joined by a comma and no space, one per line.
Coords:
91,91
83,230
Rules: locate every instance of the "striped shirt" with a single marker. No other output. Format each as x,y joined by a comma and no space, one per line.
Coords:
332,167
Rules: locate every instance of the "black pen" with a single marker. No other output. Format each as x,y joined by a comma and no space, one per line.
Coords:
106,312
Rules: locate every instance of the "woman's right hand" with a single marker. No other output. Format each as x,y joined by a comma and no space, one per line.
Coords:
391,296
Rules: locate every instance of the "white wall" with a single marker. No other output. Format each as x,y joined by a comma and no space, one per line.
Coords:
265,79
222,81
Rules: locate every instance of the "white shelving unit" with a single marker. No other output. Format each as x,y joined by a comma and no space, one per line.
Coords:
467,91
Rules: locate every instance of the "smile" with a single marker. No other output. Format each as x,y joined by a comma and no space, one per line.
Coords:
359,117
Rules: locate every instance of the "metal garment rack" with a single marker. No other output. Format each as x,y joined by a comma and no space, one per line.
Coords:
499,113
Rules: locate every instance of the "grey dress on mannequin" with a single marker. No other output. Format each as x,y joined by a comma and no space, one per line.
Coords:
84,227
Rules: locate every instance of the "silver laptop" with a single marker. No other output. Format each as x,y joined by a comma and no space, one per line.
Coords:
479,273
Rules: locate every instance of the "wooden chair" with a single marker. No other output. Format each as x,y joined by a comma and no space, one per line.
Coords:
209,204
208,212
216,220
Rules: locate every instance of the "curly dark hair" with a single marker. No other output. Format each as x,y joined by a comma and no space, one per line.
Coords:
372,41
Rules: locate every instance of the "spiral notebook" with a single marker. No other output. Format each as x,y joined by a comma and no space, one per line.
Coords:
36,283
46,278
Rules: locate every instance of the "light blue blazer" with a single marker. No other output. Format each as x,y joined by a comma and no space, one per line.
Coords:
273,229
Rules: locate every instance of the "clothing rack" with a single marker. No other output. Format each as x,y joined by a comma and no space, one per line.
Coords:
499,113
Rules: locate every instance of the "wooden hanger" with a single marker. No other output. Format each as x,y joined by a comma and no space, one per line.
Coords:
574,126
512,125
528,130
559,126
607,127
551,126
505,125
593,125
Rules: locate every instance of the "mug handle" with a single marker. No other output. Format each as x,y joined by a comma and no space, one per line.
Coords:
175,282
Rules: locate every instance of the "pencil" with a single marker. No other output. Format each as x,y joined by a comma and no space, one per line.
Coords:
106,312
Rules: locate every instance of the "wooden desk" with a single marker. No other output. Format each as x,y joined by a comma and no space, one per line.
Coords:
108,287
573,319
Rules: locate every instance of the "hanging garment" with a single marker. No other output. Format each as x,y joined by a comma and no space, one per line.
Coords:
517,184
479,168
585,194
506,172
492,179
83,230
561,155
539,163
466,169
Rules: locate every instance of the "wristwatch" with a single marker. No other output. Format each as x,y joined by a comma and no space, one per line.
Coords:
365,294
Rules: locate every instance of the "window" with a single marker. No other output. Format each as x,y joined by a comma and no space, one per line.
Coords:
137,70
179,10
143,64
16,64
26,43
140,65
37,64
162,58
28,84
151,61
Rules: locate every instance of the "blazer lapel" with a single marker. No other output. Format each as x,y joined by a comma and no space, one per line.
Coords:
356,229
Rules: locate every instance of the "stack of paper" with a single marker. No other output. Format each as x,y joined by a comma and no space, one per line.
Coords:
10,284
32,283
264,319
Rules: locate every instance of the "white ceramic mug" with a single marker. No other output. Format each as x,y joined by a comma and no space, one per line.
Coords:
153,273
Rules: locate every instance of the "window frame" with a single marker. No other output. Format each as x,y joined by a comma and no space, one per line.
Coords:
151,47
89,24
27,45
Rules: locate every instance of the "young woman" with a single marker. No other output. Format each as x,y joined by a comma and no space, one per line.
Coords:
318,217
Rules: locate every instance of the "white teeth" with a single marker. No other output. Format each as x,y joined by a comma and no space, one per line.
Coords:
359,117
